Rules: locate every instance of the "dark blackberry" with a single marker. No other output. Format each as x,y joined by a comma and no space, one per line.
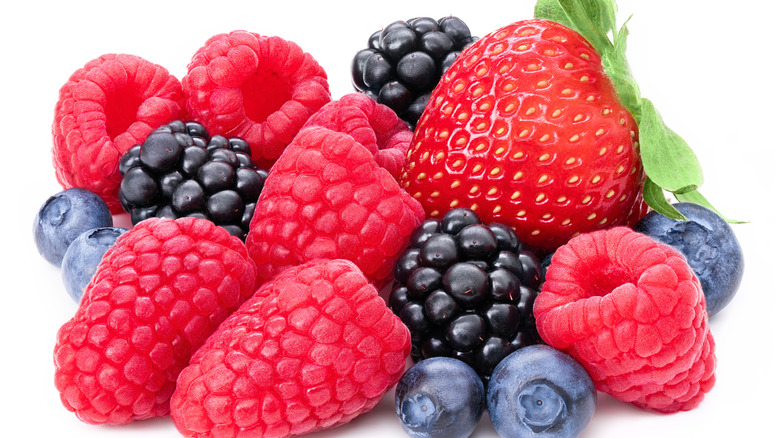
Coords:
180,171
466,290
404,62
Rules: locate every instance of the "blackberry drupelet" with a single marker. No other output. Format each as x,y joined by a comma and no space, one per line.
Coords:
405,60
180,171
466,290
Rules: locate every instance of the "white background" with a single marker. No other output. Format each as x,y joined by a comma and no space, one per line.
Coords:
711,72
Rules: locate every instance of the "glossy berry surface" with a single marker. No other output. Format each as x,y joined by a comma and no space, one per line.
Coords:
63,217
439,397
709,245
180,171
83,256
539,391
405,60
526,129
466,291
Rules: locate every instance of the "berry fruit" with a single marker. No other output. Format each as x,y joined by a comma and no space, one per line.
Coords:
373,125
63,217
83,256
527,130
313,348
439,397
539,391
158,293
328,197
106,107
466,290
262,89
405,60
180,171
632,311
709,245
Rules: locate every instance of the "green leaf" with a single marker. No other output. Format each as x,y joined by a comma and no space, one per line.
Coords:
654,197
697,198
593,19
616,65
666,157
553,11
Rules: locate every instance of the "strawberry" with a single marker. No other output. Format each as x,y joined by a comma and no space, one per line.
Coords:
526,129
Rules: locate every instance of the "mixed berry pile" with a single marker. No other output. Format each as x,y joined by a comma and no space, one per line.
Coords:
289,251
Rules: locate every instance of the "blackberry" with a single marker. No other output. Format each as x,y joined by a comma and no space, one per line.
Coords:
466,289
405,60
180,171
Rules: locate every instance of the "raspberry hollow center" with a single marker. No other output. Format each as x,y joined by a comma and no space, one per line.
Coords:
264,93
603,278
121,108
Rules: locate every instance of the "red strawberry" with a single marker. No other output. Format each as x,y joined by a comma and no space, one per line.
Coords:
158,293
314,348
526,129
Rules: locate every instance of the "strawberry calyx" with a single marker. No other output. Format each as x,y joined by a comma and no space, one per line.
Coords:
669,162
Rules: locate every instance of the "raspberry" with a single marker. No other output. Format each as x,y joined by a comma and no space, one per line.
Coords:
326,197
312,349
632,311
373,125
262,89
158,293
106,107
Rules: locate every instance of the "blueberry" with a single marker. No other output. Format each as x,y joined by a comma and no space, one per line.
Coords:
83,256
63,217
539,391
710,246
440,397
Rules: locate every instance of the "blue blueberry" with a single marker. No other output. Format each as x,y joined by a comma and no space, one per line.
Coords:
440,397
710,246
83,256
63,217
539,391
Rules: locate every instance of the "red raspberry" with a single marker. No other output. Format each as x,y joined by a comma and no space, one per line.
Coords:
158,293
326,197
371,124
312,349
262,89
105,108
632,311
